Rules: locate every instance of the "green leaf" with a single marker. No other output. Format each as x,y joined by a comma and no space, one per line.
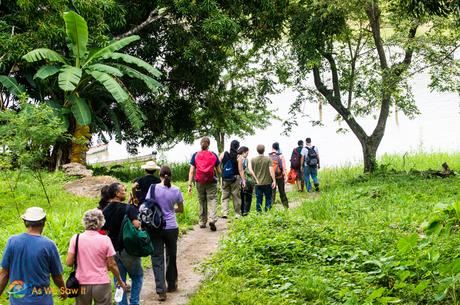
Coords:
406,244
111,85
80,110
77,32
12,85
43,54
136,61
421,286
106,69
69,78
121,96
151,83
46,71
114,46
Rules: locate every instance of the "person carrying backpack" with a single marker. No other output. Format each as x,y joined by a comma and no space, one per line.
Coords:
167,197
128,264
279,168
232,172
310,163
296,164
205,164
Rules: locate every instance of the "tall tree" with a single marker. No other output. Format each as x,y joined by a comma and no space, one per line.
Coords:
360,55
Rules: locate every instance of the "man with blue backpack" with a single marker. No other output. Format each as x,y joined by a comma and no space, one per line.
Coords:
232,171
310,164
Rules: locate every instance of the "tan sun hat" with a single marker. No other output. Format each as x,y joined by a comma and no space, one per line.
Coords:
34,214
150,165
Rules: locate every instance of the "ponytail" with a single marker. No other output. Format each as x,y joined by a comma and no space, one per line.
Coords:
165,173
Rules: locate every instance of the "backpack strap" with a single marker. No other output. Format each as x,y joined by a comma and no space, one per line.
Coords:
76,252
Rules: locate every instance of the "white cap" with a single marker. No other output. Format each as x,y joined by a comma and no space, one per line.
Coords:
34,214
150,165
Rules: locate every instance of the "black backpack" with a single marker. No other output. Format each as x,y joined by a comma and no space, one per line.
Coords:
295,158
312,157
151,215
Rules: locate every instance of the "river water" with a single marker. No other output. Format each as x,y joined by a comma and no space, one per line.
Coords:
436,129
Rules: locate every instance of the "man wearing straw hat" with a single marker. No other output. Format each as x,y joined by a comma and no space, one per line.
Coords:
28,261
142,184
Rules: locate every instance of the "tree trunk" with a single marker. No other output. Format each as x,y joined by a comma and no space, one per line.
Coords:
80,144
220,139
370,155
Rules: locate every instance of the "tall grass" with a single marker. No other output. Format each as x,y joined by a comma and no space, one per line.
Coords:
130,171
361,242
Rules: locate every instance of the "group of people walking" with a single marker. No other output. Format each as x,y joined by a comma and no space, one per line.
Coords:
266,174
30,259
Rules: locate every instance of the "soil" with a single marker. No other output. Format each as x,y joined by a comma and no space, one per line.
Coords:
192,249
89,186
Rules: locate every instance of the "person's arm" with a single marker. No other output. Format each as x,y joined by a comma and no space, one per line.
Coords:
70,259
221,157
241,171
190,178
251,172
272,174
112,267
179,208
59,281
4,277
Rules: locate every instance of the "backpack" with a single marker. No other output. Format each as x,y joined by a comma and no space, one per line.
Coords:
277,164
204,163
136,242
151,215
295,158
228,168
312,157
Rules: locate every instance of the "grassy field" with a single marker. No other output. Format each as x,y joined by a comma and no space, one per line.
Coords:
65,213
385,238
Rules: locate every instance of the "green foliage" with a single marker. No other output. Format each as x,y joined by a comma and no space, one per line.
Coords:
360,242
27,135
130,171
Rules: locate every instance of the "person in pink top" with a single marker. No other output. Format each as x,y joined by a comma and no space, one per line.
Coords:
95,257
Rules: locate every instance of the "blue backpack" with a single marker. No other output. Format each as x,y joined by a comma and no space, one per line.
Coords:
228,168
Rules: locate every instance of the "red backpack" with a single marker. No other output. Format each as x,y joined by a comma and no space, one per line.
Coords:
205,161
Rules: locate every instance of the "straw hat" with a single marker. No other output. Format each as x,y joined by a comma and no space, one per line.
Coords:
34,214
150,165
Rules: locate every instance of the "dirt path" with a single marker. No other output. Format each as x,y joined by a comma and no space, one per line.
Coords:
193,249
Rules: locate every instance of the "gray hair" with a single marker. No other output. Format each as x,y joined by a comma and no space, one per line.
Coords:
93,220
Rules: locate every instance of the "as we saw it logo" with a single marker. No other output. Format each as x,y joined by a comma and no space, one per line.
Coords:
18,289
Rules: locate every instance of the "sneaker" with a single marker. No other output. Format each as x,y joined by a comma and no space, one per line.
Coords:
212,226
203,225
162,297
224,217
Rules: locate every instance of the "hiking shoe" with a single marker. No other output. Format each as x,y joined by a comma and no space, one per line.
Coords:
224,217
203,225
212,226
162,297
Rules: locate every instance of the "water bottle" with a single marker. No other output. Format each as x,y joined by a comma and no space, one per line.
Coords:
118,294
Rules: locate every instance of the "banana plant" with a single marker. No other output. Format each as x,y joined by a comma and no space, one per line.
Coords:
90,79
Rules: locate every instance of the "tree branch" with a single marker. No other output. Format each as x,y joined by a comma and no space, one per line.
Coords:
153,16
373,13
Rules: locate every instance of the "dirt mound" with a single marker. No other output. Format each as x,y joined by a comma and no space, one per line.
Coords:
89,186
